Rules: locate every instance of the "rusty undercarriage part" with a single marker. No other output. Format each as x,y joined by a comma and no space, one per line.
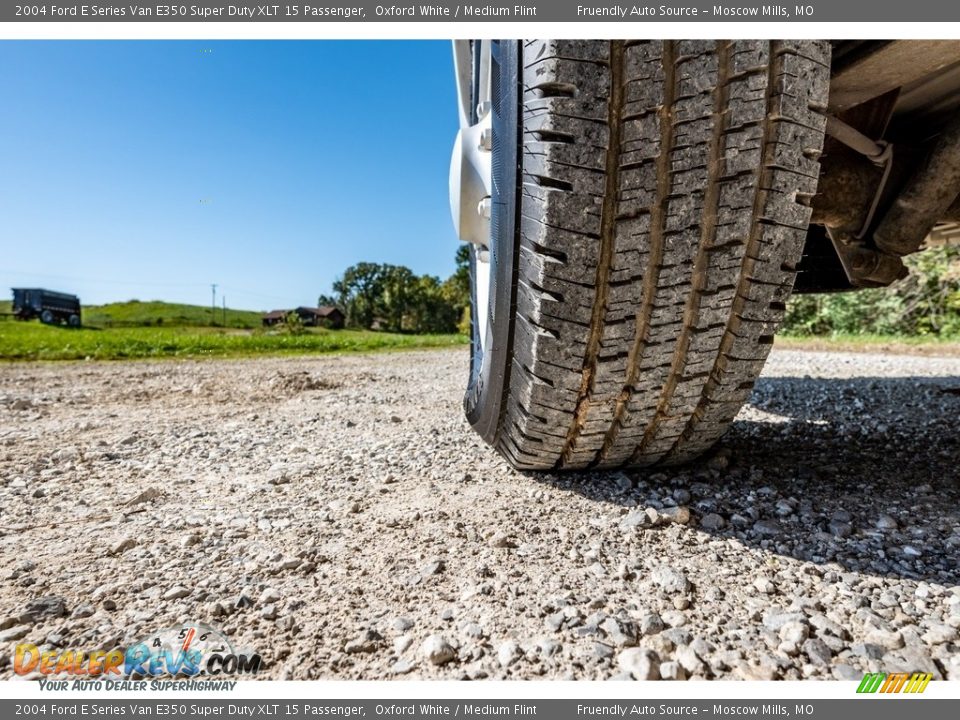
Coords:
926,198
855,179
890,177
878,205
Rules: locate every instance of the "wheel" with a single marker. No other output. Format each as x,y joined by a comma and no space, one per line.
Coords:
46,317
73,321
648,205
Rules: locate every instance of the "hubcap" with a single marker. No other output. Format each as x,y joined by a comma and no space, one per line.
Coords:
471,185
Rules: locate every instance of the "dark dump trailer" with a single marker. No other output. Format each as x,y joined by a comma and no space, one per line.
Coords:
51,307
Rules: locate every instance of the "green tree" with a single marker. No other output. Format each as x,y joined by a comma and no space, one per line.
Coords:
433,310
926,302
401,301
456,289
360,293
400,287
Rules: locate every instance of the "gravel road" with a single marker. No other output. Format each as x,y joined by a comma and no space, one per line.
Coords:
337,515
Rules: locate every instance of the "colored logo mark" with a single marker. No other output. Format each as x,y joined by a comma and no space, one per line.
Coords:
894,683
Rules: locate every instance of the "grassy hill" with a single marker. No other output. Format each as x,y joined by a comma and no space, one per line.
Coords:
155,313
135,313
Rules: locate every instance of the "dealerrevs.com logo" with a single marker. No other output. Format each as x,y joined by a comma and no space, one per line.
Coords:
191,650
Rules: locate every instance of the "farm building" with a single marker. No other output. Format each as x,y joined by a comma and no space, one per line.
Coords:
327,316
274,317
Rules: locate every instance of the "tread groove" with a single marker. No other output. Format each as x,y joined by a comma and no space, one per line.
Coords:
708,223
608,225
746,269
658,220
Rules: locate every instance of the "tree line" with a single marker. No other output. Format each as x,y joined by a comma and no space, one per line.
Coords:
925,303
380,296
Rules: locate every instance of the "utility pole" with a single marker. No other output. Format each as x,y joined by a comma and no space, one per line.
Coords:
213,305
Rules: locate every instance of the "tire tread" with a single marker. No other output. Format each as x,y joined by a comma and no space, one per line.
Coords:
664,205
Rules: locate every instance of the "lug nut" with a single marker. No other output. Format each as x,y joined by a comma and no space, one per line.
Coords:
486,139
483,208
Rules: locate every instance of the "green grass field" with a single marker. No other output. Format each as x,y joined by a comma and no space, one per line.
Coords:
33,341
899,344
155,329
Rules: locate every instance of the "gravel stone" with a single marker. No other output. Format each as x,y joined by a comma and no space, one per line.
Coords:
670,579
508,653
712,522
775,621
890,639
911,659
845,672
641,663
268,596
794,632
437,650
826,626
402,624
678,514
176,592
763,585
868,651
689,660
672,670
817,651
402,643
939,634
635,519
651,624
121,546
769,528
84,610
887,522
50,606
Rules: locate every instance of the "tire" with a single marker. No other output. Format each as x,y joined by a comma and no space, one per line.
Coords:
46,317
73,321
650,204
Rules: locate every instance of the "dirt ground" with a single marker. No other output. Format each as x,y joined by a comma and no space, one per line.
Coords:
338,516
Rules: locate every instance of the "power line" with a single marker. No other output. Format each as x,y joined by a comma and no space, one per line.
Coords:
140,283
97,280
240,291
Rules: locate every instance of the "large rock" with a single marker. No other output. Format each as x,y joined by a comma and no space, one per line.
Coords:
641,663
670,579
437,650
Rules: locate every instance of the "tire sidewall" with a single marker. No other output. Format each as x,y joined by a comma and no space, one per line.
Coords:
490,360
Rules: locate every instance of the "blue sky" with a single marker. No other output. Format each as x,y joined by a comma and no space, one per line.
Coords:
151,169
